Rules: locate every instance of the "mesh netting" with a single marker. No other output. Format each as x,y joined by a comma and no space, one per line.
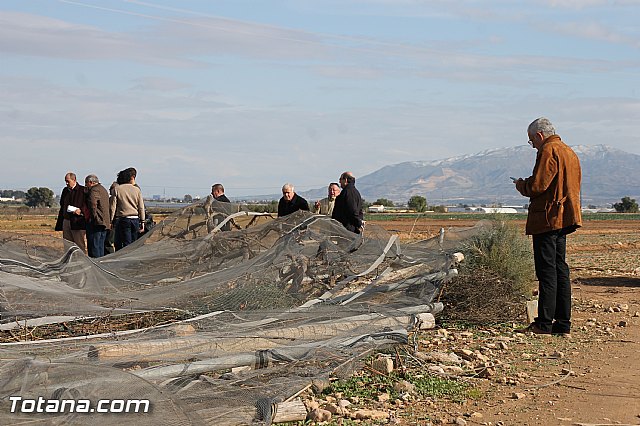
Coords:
212,316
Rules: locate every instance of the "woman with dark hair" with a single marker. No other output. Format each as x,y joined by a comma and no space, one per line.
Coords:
127,209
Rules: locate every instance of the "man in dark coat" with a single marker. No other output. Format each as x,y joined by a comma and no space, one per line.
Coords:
217,191
290,201
554,211
348,206
73,212
99,217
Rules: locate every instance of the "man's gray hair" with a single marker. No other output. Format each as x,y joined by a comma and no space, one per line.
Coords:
92,179
288,186
542,125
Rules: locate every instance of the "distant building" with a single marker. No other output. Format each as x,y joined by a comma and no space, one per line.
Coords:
494,210
376,208
13,198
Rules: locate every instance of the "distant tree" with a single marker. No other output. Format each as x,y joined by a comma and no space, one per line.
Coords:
383,202
626,205
417,203
440,209
39,197
271,207
188,199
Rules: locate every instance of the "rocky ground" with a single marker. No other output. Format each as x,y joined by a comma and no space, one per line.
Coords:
522,379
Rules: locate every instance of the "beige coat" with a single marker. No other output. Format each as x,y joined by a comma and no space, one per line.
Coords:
553,189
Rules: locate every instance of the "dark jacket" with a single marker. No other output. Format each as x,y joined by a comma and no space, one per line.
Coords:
348,208
287,207
223,199
98,203
553,189
73,197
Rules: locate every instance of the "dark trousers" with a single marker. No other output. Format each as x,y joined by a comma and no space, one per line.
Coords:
95,239
126,231
554,299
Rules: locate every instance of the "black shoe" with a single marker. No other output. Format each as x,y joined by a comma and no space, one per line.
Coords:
532,328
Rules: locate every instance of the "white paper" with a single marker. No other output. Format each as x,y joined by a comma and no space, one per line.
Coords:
71,209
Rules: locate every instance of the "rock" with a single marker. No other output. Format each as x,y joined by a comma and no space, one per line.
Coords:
334,409
487,373
382,364
343,403
439,357
476,417
452,369
319,415
384,397
312,405
370,414
460,421
466,354
436,369
503,346
622,323
319,385
404,386
517,395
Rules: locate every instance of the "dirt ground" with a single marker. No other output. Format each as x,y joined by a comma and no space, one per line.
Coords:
591,379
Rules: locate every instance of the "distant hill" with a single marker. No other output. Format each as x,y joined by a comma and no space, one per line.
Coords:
608,174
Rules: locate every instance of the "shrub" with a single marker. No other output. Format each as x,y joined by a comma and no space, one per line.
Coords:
495,278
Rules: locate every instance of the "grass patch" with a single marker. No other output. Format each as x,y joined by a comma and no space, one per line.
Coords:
368,386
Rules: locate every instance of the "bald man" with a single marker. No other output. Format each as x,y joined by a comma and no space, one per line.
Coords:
348,205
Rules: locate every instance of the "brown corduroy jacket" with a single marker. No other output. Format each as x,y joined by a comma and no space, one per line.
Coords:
553,189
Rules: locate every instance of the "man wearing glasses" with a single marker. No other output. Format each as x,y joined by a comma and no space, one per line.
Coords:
554,211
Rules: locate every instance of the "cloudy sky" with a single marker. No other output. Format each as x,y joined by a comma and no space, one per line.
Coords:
254,94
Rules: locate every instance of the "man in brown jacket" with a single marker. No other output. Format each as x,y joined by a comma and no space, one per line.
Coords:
554,211
99,217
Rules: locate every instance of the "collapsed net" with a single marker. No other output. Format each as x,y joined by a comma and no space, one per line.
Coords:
215,316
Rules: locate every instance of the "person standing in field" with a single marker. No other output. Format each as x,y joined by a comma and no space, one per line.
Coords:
73,212
127,209
325,206
348,205
99,217
290,201
554,212
217,191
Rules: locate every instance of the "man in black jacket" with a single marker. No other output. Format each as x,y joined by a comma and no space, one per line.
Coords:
217,190
73,212
348,207
290,201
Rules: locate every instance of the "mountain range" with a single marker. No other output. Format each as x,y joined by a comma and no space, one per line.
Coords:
484,178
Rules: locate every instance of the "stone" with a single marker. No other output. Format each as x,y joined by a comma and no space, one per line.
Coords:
370,414
404,386
319,415
382,364
476,417
460,421
518,395
384,397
